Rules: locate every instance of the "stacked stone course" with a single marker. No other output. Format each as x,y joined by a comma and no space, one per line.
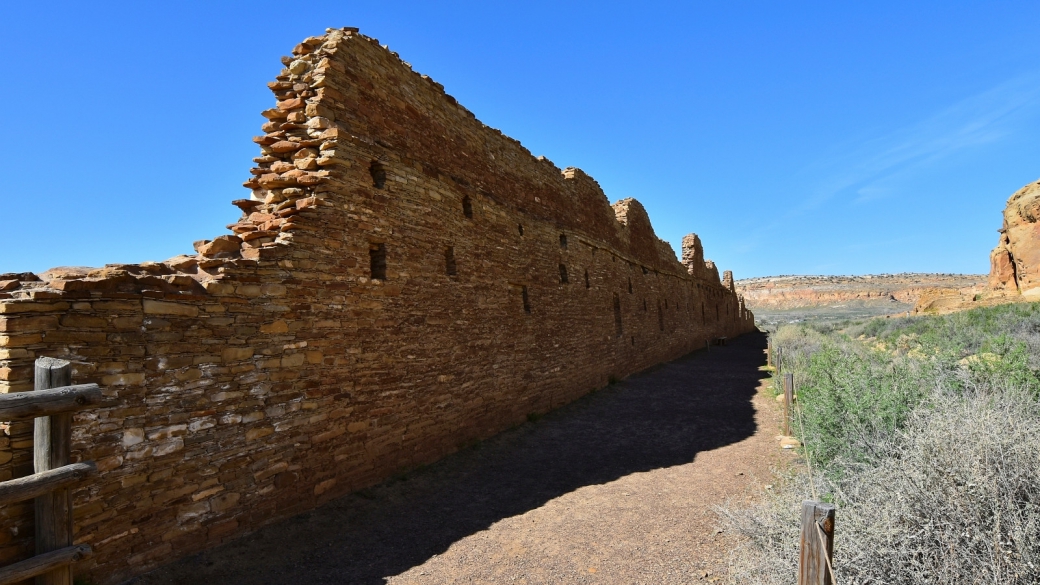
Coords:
403,280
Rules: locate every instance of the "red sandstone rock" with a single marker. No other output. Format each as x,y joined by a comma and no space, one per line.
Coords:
250,236
22,276
1015,262
274,181
182,262
290,104
246,205
285,146
219,245
66,272
309,179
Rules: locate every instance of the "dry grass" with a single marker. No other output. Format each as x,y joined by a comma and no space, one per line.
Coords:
949,494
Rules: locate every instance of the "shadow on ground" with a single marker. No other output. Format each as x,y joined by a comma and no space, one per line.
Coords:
659,418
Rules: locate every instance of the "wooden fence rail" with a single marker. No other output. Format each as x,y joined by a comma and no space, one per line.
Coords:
51,405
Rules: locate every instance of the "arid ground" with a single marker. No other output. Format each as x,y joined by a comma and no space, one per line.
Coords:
618,487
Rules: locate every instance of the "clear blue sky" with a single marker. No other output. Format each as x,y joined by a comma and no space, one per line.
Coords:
795,138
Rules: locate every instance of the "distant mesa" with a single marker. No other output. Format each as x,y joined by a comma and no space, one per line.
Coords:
786,298
1014,276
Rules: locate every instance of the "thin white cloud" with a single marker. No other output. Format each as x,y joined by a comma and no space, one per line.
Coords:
872,169
878,167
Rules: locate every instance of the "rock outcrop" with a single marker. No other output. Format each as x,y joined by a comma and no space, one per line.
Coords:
1014,273
1015,262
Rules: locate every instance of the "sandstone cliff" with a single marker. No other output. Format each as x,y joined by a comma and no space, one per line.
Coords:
1015,262
1014,274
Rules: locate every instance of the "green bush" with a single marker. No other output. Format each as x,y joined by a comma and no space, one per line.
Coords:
925,432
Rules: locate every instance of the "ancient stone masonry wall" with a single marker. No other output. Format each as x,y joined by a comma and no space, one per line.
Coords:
402,281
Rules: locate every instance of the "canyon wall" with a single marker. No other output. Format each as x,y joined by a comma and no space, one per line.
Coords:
1015,262
403,280
1014,274
792,292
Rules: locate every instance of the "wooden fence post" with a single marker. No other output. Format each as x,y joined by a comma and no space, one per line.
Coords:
52,441
788,402
817,544
769,350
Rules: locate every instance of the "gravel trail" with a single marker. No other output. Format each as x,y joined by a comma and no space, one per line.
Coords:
617,487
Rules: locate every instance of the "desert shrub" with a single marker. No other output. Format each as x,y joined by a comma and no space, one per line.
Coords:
926,434
851,400
966,333
953,498
956,499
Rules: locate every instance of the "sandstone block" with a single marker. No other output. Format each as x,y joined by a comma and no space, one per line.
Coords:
279,326
324,486
285,146
169,446
10,307
258,433
234,354
129,379
219,245
27,323
153,307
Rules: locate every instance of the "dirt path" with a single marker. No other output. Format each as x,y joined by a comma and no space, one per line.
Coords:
618,487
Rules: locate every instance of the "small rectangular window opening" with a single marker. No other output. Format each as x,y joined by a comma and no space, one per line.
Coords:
527,301
467,207
563,274
660,317
449,261
520,228
378,174
377,261
629,286
563,241
617,315
587,285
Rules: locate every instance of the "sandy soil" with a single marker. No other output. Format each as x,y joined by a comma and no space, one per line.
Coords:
618,487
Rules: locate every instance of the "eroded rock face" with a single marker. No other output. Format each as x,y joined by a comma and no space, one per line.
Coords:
1015,262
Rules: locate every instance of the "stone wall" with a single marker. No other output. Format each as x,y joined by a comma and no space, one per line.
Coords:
402,281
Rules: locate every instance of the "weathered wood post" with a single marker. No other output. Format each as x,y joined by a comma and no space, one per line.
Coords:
769,350
788,402
52,441
816,560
